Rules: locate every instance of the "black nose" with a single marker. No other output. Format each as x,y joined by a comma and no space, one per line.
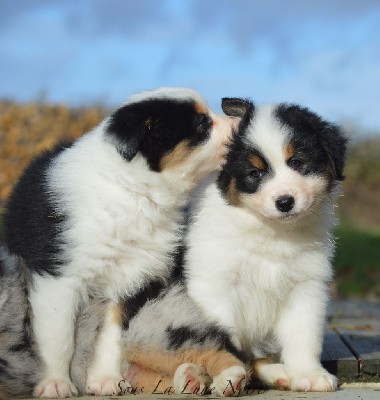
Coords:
285,203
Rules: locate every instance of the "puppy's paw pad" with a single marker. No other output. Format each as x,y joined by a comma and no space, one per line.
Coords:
230,381
55,389
319,381
282,384
107,386
190,379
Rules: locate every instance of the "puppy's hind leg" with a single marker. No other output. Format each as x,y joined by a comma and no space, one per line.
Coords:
228,373
191,379
157,370
142,380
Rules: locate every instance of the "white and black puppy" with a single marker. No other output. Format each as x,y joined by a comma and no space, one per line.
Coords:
260,246
104,214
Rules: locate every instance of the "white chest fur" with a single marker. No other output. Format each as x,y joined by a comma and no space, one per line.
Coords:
242,273
122,222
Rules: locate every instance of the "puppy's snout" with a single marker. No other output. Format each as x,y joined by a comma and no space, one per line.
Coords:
285,203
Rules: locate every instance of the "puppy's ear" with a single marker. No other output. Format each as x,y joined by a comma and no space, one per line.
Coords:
127,127
334,144
236,107
330,136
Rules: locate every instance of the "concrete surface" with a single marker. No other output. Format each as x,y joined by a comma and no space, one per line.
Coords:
369,392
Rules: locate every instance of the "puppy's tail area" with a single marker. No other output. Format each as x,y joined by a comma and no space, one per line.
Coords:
19,365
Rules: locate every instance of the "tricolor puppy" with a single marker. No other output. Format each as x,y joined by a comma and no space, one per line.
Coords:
260,246
103,215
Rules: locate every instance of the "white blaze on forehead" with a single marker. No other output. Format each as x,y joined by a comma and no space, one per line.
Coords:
176,93
268,135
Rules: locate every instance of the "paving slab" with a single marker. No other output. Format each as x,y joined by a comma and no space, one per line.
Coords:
346,393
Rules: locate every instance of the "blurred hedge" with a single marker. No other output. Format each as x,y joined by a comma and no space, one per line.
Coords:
360,204
27,129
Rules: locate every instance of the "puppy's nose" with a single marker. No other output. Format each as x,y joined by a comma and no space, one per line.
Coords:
285,203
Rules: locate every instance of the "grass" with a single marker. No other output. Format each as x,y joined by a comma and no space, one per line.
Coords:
357,262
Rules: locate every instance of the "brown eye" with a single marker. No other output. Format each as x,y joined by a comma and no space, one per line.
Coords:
255,173
203,122
296,163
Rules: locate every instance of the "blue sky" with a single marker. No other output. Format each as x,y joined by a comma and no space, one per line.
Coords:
324,54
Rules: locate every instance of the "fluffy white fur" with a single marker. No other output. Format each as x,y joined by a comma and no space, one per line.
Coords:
123,223
264,276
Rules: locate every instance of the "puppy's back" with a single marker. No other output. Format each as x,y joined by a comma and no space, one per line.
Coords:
31,223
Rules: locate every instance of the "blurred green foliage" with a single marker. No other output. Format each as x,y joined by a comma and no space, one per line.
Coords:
357,262
363,163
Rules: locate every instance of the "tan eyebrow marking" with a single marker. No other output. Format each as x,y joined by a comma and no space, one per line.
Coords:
289,152
257,162
201,108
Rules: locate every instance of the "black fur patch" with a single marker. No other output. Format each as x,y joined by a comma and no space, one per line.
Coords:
154,289
3,363
156,126
317,143
25,342
239,166
4,371
132,305
31,224
177,337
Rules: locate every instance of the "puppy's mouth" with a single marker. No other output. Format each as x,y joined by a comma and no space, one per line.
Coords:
289,216
284,217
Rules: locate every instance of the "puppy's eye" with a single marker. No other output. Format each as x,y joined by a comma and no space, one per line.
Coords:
255,173
296,163
203,121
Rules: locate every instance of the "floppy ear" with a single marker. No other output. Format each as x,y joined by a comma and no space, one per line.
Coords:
127,127
329,136
334,144
236,107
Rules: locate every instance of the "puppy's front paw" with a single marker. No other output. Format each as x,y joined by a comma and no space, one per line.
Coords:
190,379
316,381
106,386
55,389
229,382
274,375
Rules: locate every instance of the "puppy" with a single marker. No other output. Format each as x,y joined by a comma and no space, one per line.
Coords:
260,246
102,215
257,265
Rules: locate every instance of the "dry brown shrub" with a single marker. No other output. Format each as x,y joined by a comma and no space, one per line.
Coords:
28,129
